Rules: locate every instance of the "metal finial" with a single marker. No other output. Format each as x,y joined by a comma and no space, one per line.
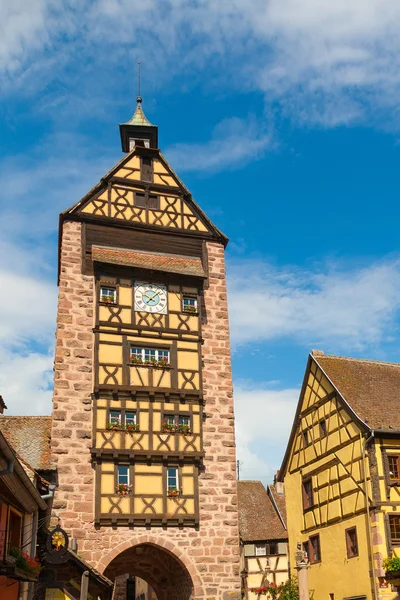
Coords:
138,62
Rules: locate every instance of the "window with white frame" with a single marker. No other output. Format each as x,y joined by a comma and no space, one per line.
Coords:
108,295
148,356
189,304
130,418
172,479
115,417
261,550
184,420
123,475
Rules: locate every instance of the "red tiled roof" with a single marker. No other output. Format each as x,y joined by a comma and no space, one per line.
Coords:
258,519
170,263
370,387
30,438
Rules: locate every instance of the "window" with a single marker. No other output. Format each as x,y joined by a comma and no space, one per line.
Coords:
189,304
172,480
130,418
15,527
138,142
306,437
169,420
261,550
394,470
394,522
147,169
322,428
149,356
308,497
184,420
315,550
115,417
351,542
272,548
123,475
141,201
108,295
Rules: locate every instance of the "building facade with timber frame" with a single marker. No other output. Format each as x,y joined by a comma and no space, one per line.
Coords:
143,423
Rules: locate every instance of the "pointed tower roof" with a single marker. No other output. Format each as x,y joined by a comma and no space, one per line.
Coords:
139,118
138,131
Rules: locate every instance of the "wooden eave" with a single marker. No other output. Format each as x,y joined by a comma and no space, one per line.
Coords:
343,401
72,214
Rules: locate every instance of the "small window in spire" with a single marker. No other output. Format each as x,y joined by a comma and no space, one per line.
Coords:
133,142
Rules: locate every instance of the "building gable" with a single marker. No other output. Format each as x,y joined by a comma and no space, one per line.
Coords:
323,423
142,191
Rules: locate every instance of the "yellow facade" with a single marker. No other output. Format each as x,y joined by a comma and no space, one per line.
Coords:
336,479
172,211
149,392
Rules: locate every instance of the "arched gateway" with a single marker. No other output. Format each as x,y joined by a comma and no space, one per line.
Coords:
143,424
166,574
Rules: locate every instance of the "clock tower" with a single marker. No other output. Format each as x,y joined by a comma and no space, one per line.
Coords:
143,423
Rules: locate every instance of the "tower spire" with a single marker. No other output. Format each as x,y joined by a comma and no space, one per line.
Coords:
138,131
138,64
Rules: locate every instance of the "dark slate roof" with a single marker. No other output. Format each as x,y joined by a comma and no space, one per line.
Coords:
170,263
371,388
30,438
258,519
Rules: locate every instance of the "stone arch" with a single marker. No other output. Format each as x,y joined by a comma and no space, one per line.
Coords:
170,573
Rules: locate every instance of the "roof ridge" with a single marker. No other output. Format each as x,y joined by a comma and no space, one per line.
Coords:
355,359
25,417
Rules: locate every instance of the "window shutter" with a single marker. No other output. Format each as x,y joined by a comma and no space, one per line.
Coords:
282,548
249,550
147,169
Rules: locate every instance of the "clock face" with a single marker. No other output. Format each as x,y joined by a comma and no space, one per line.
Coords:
151,298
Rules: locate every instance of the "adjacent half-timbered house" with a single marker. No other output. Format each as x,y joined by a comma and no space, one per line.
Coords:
342,480
143,429
263,536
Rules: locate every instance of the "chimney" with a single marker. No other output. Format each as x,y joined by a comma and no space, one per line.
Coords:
2,405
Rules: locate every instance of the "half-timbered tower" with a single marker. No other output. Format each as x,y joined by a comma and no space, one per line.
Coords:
143,427
342,477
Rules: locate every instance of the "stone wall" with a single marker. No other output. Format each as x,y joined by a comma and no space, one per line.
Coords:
211,554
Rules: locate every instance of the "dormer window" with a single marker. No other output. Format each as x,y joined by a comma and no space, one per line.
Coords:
108,295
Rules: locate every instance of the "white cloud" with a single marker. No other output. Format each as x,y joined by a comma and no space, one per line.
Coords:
26,382
233,142
263,418
336,307
323,62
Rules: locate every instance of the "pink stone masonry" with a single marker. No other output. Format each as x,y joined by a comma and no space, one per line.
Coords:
210,554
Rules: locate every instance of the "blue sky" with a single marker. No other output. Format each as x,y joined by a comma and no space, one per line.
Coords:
281,118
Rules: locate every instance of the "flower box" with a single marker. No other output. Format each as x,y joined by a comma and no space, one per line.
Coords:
26,563
392,568
114,426
161,364
107,300
123,489
191,309
173,493
132,427
167,428
184,429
